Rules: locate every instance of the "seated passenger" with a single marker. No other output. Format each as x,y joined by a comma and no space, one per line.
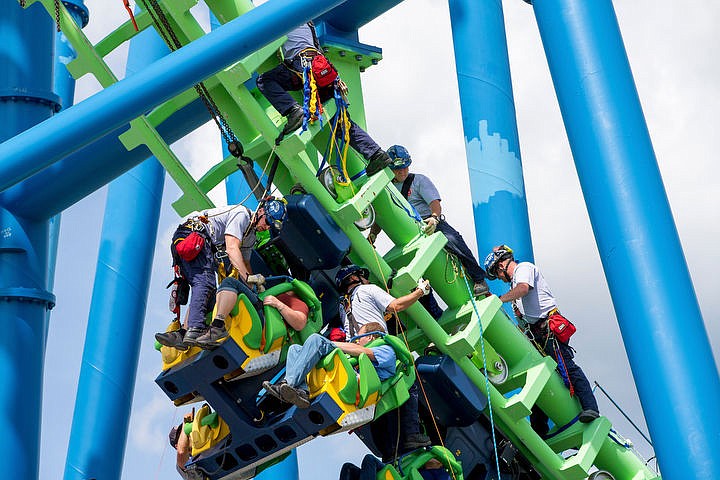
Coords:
301,48
303,358
293,310
180,441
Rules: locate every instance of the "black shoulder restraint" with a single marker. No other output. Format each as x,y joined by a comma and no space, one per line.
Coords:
406,185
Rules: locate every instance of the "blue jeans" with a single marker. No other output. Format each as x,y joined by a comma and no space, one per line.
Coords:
580,383
275,85
303,358
200,274
456,245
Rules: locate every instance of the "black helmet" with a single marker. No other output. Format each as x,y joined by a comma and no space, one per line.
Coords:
498,254
346,272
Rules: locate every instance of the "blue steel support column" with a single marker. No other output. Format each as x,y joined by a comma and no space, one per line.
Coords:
26,98
491,137
639,246
23,155
115,325
64,86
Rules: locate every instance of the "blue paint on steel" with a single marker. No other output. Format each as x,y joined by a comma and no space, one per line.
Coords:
117,311
26,98
353,14
23,155
651,288
491,137
79,11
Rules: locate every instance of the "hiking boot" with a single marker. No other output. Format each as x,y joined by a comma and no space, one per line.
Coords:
377,162
416,440
172,339
587,416
294,119
273,390
480,289
212,338
192,336
297,396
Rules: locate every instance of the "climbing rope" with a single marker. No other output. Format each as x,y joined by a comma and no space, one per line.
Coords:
487,379
417,373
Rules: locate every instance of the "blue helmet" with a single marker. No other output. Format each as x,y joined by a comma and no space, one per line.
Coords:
400,157
345,273
498,254
275,212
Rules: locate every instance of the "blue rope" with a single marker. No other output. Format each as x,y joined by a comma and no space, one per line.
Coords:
306,97
411,213
487,380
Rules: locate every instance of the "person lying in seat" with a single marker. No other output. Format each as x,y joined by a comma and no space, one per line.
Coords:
293,310
303,358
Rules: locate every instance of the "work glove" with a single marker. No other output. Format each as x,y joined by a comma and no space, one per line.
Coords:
424,286
431,224
256,279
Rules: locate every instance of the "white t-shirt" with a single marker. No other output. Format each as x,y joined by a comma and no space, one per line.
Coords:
539,301
369,303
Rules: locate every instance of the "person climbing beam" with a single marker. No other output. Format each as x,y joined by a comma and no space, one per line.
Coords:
301,48
421,193
535,306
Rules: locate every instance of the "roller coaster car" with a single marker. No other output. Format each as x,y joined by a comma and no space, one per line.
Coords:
264,341
354,385
413,466
208,429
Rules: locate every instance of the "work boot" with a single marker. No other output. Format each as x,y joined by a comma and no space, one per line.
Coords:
172,339
212,338
273,390
377,162
416,440
480,289
587,416
294,119
192,336
297,396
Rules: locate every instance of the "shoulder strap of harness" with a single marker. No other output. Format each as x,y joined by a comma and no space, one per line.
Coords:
314,35
406,185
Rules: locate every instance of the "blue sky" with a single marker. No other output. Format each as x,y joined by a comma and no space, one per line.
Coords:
411,99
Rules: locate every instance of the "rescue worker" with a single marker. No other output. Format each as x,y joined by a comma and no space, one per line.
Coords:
194,246
421,193
534,304
301,48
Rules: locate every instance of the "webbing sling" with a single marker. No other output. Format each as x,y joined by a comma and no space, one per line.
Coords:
405,191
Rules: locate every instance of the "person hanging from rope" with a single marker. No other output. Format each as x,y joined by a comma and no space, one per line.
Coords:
362,302
536,308
196,245
302,48
421,193
303,358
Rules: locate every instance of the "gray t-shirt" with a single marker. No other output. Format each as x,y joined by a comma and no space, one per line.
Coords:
298,40
368,304
422,192
231,220
536,305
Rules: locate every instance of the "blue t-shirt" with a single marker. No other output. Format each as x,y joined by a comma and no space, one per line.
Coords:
298,40
422,192
384,362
